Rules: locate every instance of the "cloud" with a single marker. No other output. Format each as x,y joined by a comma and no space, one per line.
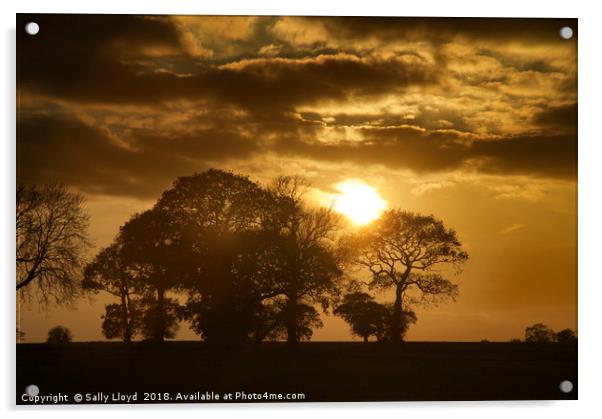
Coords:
114,100
66,149
512,228
310,30
431,186
426,151
564,117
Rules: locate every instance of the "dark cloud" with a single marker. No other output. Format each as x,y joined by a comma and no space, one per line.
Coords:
525,30
64,149
423,151
544,155
69,48
295,103
101,59
563,117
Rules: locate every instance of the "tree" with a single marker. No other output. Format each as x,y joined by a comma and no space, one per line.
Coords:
539,333
566,336
408,317
116,323
309,267
402,250
51,228
158,321
59,334
271,321
216,221
365,316
109,272
154,257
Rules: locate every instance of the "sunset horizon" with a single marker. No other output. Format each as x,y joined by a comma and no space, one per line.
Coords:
458,118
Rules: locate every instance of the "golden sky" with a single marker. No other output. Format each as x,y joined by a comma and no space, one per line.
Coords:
473,120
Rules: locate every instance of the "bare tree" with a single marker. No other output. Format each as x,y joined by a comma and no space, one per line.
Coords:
402,250
51,228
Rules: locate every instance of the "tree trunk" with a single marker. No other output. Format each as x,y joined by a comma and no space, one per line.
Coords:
131,314
396,320
291,315
127,333
365,338
291,319
160,333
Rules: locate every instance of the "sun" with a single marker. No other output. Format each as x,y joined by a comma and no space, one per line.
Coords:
360,202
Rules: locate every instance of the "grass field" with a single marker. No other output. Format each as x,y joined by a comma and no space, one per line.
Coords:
337,371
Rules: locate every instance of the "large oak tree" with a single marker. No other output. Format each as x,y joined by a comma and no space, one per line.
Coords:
402,251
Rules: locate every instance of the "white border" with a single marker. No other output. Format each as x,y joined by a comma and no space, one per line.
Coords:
590,208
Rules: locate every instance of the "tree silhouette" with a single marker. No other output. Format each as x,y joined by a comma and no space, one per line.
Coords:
365,316
155,257
51,228
566,336
109,272
117,323
158,321
401,250
539,333
408,317
271,321
218,218
59,334
309,267
140,267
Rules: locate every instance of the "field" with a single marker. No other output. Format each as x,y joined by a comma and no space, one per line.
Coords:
326,371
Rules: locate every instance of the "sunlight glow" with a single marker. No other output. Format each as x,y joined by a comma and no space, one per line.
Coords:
358,201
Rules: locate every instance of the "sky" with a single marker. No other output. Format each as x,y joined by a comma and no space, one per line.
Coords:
472,120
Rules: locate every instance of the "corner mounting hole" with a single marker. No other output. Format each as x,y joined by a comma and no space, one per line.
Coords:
32,28
566,32
32,390
566,386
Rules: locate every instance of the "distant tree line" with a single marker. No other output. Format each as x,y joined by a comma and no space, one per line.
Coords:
540,333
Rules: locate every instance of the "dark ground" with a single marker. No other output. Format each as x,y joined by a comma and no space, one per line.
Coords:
323,371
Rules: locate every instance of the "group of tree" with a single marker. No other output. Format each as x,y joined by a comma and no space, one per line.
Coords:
239,261
540,333
251,261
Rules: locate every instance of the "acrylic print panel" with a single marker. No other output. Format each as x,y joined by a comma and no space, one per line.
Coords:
295,209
